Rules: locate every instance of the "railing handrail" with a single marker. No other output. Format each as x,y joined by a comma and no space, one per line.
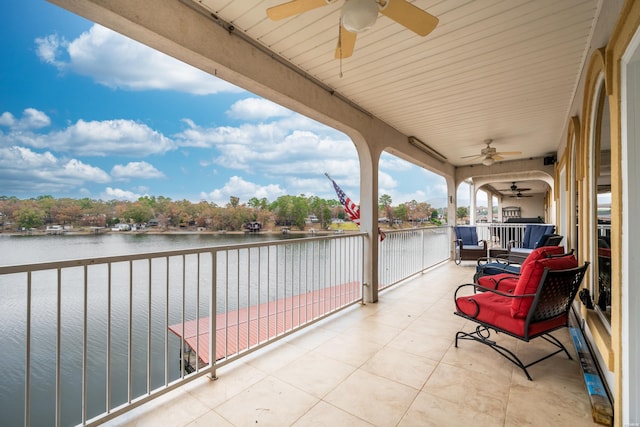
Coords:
81,262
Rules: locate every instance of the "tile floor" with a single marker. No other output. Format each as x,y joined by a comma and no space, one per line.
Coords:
392,363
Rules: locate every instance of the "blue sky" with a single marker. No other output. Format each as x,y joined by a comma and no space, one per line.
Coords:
86,112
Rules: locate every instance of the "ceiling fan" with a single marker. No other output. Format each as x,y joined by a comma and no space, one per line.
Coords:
519,195
514,188
489,155
360,15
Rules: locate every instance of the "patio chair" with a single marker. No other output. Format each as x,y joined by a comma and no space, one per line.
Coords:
512,263
468,248
535,236
538,304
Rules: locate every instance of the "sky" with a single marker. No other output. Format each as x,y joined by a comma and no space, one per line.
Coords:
87,112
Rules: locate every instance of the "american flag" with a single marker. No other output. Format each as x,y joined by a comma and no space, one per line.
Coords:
350,207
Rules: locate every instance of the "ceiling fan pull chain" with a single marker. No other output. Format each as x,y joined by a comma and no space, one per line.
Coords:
340,46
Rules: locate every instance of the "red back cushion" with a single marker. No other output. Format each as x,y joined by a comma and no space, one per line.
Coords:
542,252
530,276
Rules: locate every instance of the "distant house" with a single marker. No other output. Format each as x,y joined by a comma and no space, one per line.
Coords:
253,227
121,227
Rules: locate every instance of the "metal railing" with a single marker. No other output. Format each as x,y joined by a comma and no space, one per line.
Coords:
86,340
97,337
498,235
404,253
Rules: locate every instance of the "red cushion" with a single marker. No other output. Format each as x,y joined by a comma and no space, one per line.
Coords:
530,276
494,309
542,252
502,282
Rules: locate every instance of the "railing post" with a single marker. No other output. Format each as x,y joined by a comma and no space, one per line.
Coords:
213,311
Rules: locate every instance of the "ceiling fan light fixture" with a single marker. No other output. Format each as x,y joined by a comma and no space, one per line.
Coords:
359,15
488,161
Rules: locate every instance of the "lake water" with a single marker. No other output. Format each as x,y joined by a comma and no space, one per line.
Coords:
16,250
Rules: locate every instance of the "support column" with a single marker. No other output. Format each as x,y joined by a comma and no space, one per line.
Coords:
369,158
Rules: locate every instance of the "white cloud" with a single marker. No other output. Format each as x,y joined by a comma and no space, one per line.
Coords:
119,194
31,119
95,138
23,170
245,190
142,170
116,61
256,109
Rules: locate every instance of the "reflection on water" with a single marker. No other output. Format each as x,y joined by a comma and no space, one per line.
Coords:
36,249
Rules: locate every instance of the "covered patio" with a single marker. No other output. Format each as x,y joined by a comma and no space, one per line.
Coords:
393,363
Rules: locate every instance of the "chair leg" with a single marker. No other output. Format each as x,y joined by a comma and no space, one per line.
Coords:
482,334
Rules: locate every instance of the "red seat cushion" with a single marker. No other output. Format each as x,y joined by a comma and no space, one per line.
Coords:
530,276
494,309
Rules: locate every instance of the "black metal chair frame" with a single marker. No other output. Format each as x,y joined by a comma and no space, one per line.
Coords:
553,299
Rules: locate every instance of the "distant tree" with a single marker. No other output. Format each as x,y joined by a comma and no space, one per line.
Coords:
384,201
138,213
462,212
234,202
400,212
29,217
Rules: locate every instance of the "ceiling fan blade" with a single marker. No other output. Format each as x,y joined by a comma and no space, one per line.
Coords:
346,43
509,153
474,156
410,16
497,157
295,7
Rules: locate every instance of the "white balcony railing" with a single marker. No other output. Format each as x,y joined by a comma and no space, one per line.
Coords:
404,253
97,337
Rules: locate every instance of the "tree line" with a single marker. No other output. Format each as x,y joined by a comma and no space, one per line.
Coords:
294,211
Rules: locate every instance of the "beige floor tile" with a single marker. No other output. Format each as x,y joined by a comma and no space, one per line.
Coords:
274,357
174,408
311,337
373,330
421,345
479,358
400,366
210,419
353,349
535,406
430,410
324,414
377,400
232,379
270,402
469,390
315,373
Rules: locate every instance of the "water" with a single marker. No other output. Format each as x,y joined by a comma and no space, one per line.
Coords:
37,249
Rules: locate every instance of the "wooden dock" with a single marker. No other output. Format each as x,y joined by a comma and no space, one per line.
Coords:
240,330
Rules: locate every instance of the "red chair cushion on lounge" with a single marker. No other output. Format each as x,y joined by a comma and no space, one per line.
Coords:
530,276
494,309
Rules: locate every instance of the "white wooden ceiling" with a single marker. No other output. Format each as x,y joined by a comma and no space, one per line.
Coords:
499,69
